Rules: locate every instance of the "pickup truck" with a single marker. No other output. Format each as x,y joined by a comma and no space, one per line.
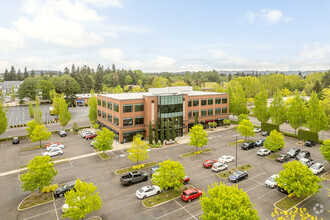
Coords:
134,177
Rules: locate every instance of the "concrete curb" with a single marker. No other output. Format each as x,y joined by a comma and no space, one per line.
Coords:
324,175
132,166
34,205
292,206
195,154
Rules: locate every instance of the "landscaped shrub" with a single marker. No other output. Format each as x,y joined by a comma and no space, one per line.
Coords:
226,122
96,126
50,188
137,167
155,145
308,135
269,127
290,134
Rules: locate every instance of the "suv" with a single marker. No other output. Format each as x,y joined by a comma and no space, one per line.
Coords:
60,191
293,152
265,133
16,140
248,145
62,133
260,142
310,143
283,158
303,154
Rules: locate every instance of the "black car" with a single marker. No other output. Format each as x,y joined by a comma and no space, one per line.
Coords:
62,133
282,190
303,154
237,176
16,140
260,142
265,133
293,152
310,143
248,145
283,158
59,192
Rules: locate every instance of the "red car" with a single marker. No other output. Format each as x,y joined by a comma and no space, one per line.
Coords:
52,143
90,136
191,194
186,180
209,163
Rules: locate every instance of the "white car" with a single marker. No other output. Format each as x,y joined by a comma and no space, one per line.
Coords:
53,152
147,191
66,206
257,130
263,152
271,182
60,146
317,168
84,133
219,166
306,161
226,159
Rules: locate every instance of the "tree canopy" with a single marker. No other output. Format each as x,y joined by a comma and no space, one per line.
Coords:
64,115
296,112
197,136
260,106
275,141
325,150
277,109
138,151
104,140
40,133
92,102
246,128
315,117
3,120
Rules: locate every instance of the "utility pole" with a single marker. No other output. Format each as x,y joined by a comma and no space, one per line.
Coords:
236,150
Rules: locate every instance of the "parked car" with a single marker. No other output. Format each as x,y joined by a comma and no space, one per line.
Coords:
260,142
237,176
209,163
16,140
86,132
306,161
62,133
248,145
293,152
265,133
134,177
52,143
65,206
282,190
90,136
191,194
153,170
92,143
310,143
257,130
186,180
283,158
58,145
60,191
303,154
148,191
317,168
226,159
271,182
219,166
263,152
53,152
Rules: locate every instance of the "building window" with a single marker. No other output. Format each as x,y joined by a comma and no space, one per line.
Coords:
103,103
110,105
195,113
203,112
195,102
99,113
210,101
99,102
203,102
224,110
189,114
218,111
115,120
104,115
210,112
224,100
139,120
127,108
127,121
109,118
217,100
189,103
139,107
116,107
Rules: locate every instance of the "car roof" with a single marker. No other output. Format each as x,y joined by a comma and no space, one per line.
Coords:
274,175
318,164
144,188
188,191
304,159
218,163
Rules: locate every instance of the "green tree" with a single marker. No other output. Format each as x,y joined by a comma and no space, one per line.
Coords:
298,180
260,109
277,109
161,131
168,133
325,150
104,140
28,89
37,112
75,127
81,201
92,102
64,114
296,112
226,122
315,117
128,80
237,100
275,141
31,125
40,133
12,96
138,151
31,112
317,87
246,128
156,132
40,173
196,119
57,100
169,175
197,136
3,120
241,117
227,202
118,89
173,130
150,133
45,87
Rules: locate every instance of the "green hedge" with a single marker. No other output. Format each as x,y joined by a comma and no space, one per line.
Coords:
269,127
289,134
308,135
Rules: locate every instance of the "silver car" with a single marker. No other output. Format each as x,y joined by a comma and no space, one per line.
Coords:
53,152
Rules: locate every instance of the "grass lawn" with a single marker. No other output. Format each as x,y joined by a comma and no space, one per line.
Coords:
225,174
245,167
36,199
104,156
326,175
272,156
130,169
287,203
31,148
234,143
192,153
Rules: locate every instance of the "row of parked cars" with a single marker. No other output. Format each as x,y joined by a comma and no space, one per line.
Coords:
54,149
88,134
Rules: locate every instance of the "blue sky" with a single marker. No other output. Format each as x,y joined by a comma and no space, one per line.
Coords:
159,35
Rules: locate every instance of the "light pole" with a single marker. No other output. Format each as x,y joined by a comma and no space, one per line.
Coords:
300,127
236,149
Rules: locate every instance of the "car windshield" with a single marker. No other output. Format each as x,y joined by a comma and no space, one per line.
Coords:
236,174
141,190
315,166
271,179
184,193
292,151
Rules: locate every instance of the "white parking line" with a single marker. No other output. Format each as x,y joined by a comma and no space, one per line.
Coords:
124,152
195,215
252,188
55,209
181,207
266,194
185,209
40,214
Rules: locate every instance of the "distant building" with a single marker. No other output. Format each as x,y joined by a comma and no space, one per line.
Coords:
82,99
6,86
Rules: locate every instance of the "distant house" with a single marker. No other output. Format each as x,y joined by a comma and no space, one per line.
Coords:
82,99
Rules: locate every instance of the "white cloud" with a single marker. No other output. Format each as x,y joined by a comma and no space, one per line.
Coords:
270,16
113,54
314,56
4,64
10,40
105,3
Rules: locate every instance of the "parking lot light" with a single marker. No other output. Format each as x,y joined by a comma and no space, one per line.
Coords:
236,149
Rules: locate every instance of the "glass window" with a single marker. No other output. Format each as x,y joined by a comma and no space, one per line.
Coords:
139,120
115,120
195,113
217,100
139,107
127,121
224,100
195,102
189,103
224,110
203,102
127,108
116,107
110,118
189,114
203,112
218,111
99,102
210,112
104,115
103,103
210,101
110,105
99,113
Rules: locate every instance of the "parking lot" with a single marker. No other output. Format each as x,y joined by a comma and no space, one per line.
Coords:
120,202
